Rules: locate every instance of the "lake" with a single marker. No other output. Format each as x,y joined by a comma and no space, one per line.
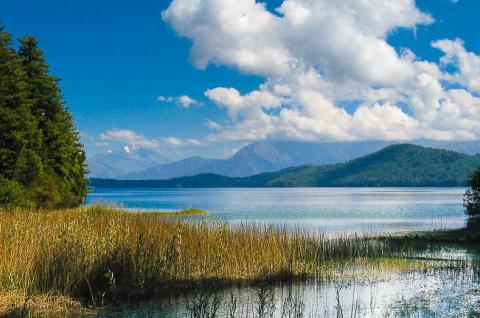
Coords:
452,292
329,210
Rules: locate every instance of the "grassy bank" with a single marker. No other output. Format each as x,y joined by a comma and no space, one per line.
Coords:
99,255
468,235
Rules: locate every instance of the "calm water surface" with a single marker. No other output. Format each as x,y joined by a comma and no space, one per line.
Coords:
330,210
446,293
442,293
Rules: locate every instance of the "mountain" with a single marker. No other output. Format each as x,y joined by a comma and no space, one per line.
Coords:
466,147
394,165
267,156
100,169
261,157
185,167
128,159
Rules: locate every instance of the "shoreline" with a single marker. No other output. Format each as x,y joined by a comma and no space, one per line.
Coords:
94,256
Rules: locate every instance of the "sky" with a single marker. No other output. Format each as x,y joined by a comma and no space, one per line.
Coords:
205,77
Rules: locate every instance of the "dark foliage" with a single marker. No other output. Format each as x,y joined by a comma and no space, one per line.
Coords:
42,162
471,200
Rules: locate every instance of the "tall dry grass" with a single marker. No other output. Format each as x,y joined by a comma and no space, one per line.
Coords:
99,254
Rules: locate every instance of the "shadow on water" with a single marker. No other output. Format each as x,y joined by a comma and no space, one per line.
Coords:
452,292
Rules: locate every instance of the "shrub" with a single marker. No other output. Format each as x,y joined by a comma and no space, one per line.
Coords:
471,199
12,194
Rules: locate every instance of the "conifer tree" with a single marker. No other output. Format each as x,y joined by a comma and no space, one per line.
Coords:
61,151
42,162
19,136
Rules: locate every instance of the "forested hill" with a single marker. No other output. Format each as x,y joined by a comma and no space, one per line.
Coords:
396,165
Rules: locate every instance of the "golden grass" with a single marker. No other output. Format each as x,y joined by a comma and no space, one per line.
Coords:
99,255
18,304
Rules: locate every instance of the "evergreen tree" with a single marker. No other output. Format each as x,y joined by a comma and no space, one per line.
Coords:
19,136
471,200
61,152
42,162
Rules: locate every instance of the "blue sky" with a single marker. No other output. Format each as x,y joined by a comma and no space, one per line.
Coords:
115,59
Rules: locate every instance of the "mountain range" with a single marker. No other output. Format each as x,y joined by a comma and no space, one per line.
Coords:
394,165
257,157
115,163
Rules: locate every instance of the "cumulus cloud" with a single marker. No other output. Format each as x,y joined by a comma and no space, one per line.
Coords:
179,142
212,124
129,137
467,63
184,101
166,99
317,55
134,140
230,99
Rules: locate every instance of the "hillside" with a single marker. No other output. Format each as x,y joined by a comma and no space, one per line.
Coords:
258,157
254,158
396,165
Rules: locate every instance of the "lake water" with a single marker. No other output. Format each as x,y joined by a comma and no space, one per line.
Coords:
445,293
330,210
437,293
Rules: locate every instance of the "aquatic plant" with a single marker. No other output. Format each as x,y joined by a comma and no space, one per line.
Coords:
100,255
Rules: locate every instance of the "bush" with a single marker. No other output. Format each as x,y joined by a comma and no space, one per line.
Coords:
12,194
471,199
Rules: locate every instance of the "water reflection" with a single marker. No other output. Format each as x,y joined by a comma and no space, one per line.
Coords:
435,293
330,210
451,291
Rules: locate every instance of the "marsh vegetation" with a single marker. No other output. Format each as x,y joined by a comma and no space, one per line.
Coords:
100,255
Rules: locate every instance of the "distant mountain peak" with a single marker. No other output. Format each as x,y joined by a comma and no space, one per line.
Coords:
401,165
115,162
254,158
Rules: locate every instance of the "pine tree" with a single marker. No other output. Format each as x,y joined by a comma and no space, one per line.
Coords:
61,153
19,136
42,163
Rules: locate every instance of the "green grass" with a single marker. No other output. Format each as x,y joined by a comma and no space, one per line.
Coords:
187,212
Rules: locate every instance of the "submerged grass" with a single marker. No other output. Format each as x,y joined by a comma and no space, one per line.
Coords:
99,255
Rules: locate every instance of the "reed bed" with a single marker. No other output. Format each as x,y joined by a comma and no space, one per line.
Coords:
100,255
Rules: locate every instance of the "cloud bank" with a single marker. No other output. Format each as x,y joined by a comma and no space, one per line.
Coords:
319,55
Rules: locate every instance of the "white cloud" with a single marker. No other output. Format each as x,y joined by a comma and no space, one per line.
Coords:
230,99
130,138
134,140
179,142
184,101
317,55
212,124
166,99
468,63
